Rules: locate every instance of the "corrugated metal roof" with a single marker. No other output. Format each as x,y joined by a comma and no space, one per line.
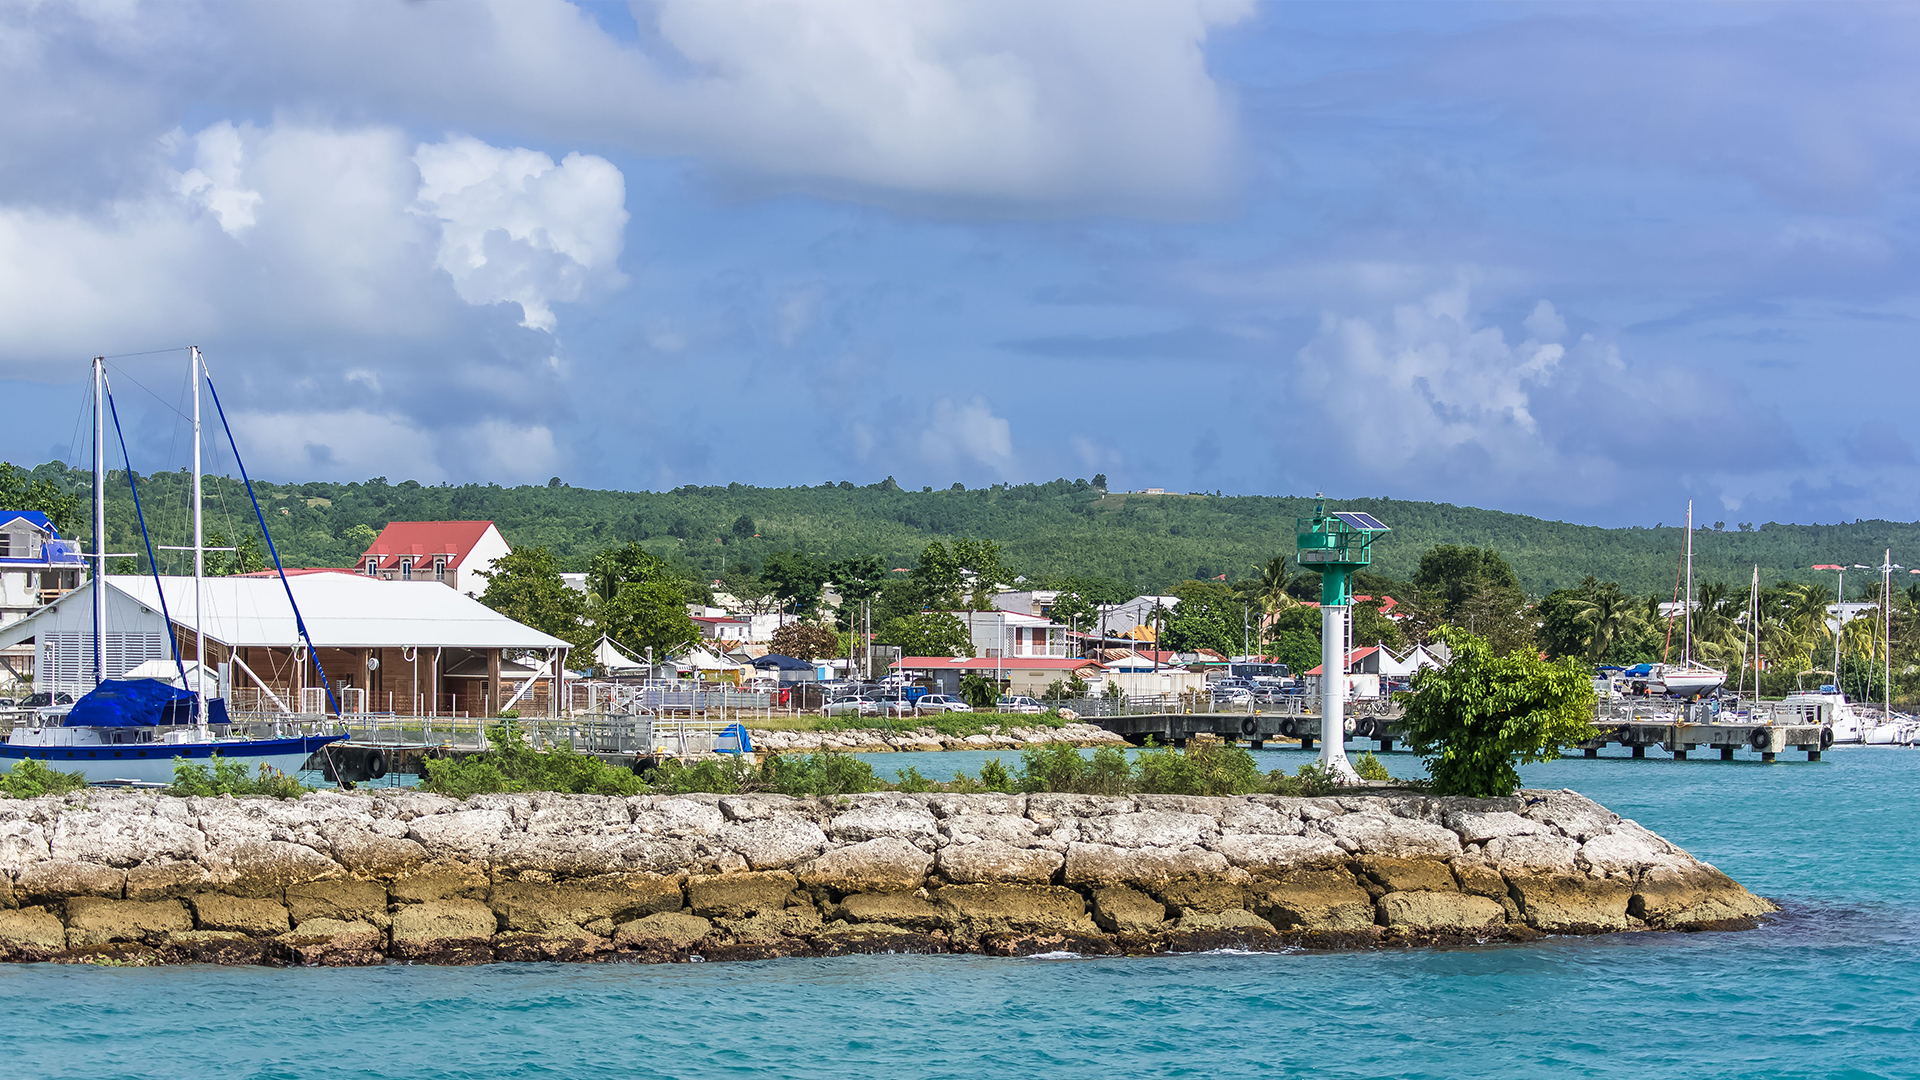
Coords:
341,611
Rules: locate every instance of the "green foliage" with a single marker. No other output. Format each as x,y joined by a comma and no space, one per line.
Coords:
1202,768
224,776
513,765
526,587
994,777
1210,615
927,633
796,578
912,781
978,691
818,773
647,615
1295,638
728,777
1310,781
1483,713
1369,767
245,558
30,779
21,490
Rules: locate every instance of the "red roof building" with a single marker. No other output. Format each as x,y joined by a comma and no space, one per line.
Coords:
453,552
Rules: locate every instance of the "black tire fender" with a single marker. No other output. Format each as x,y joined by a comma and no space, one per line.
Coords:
1250,727
1288,729
1826,737
1760,739
376,765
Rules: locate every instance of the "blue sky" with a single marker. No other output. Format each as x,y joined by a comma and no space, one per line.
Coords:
1582,261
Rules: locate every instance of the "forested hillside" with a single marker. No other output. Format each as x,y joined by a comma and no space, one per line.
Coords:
1064,527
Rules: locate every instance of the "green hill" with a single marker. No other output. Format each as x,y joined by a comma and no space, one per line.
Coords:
1058,528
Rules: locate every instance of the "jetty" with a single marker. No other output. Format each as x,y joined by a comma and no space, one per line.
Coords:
355,878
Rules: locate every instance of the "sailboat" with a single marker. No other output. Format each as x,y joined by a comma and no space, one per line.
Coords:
130,728
1689,678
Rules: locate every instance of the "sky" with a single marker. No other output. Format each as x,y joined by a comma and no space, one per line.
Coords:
1581,261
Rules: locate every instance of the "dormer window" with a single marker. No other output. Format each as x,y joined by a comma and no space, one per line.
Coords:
373,566
439,568
406,569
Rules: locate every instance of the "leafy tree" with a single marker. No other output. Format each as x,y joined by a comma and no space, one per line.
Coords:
857,580
359,538
796,578
525,586
927,633
740,580
805,641
616,567
1370,627
20,490
647,615
1563,631
1483,714
1295,639
979,691
1072,609
1473,588
1209,616
245,558
744,528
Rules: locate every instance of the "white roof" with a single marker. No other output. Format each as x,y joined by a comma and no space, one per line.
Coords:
340,610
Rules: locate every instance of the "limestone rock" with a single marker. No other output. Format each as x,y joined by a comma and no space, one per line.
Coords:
334,943
95,921
1003,828
469,835
1277,852
1538,853
904,820
674,929
994,860
341,900
444,879
166,878
1149,828
212,911
1380,834
1440,913
885,864
775,843
1408,875
1698,897
363,851
911,911
736,896
1572,904
1120,910
1569,812
31,934
444,931
1103,864
1627,848
1477,827
1313,900
1019,908
62,878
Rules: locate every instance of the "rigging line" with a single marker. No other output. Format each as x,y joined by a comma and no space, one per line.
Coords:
298,622
149,352
173,639
150,393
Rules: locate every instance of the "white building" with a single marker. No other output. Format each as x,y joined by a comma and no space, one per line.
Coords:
1010,633
1114,620
37,567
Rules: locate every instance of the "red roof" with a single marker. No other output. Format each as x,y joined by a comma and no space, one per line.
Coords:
988,663
1353,658
424,540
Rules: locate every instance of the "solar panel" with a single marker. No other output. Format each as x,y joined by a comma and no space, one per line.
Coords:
1362,521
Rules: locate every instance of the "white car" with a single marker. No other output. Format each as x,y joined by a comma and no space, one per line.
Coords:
1019,705
850,706
941,703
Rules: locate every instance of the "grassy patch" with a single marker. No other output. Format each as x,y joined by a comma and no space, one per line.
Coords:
223,776
31,779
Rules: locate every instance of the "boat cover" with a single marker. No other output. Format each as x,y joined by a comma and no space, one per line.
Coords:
733,739
121,703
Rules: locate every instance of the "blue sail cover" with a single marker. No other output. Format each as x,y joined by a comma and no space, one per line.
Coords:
122,703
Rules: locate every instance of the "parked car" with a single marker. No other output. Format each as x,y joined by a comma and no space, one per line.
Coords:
1019,705
1231,695
930,703
851,706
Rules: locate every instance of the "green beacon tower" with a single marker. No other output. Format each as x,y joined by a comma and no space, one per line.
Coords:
1335,545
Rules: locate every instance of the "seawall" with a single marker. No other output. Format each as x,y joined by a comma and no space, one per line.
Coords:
882,740
366,878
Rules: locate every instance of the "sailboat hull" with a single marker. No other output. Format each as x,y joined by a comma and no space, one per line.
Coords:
152,763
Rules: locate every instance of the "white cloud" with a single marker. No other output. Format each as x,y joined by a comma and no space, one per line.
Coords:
970,433
516,228
358,443
214,181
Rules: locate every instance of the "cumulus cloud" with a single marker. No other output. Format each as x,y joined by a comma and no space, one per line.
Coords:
965,434
1429,396
359,443
514,227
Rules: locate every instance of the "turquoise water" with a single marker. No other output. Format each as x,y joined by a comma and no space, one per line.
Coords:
1829,989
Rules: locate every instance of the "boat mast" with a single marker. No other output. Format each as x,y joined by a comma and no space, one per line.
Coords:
1886,630
1686,648
99,518
199,556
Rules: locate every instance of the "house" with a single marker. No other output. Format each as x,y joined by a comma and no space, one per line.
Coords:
1028,675
453,553
1119,619
1028,602
37,567
405,647
1010,633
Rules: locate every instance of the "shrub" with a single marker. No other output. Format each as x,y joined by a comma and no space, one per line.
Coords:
1051,767
224,776
1481,715
912,781
30,779
818,773
674,777
994,777
512,765
1109,773
1369,767
979,691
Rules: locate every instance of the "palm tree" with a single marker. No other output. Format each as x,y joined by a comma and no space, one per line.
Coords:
1716,626
1609,614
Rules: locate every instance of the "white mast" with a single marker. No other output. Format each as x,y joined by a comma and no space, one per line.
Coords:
1686,649
99,518
1886,630
199,555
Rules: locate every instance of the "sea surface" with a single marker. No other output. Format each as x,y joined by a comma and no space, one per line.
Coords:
1830,988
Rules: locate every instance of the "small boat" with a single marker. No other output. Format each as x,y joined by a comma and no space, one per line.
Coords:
1845,722
1689,678
129,729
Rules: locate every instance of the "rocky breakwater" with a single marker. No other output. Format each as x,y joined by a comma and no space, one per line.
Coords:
336,878
882,740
